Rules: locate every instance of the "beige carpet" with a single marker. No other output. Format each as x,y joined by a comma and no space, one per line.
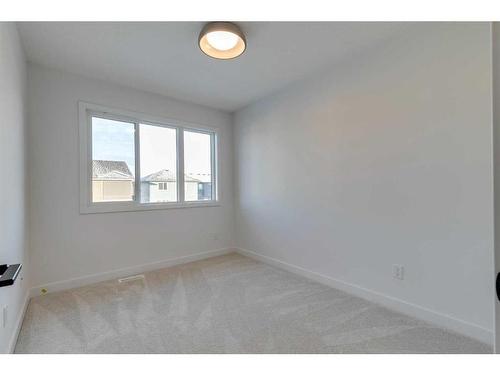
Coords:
226,304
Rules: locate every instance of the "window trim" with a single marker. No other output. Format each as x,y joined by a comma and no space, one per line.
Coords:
87,110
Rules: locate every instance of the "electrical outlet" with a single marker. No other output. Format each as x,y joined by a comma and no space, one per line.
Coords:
398,271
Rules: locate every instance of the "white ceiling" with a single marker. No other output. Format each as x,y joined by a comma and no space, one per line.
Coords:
164,57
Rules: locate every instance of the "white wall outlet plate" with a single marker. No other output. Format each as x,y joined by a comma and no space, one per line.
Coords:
398,271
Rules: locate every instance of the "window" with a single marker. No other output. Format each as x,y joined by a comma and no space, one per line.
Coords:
135,162
113,160
158,158
198,166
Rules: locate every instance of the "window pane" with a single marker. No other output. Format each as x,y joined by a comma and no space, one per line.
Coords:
158,149
113,160
197,166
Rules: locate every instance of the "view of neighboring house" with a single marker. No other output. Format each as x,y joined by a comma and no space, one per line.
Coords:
111,181
161,186
204,186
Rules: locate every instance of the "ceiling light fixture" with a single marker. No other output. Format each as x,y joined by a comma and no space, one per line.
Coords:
222,40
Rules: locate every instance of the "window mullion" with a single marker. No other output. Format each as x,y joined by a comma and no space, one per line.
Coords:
213,163
137,185
180,164
89,158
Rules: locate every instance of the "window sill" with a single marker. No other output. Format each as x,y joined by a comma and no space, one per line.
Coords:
101,208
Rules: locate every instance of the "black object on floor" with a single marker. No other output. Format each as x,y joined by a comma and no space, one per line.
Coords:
9,273
498,286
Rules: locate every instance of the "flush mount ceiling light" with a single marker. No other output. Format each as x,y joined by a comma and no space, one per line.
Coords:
222,40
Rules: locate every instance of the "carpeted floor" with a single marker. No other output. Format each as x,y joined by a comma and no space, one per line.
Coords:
226,304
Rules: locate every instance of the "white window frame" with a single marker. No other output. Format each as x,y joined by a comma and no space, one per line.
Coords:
85,113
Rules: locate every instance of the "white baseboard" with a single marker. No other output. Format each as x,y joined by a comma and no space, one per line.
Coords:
19,323
453,324
123,272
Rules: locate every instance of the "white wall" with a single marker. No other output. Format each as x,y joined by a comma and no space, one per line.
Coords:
496,145
12,189
67,245
384,160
